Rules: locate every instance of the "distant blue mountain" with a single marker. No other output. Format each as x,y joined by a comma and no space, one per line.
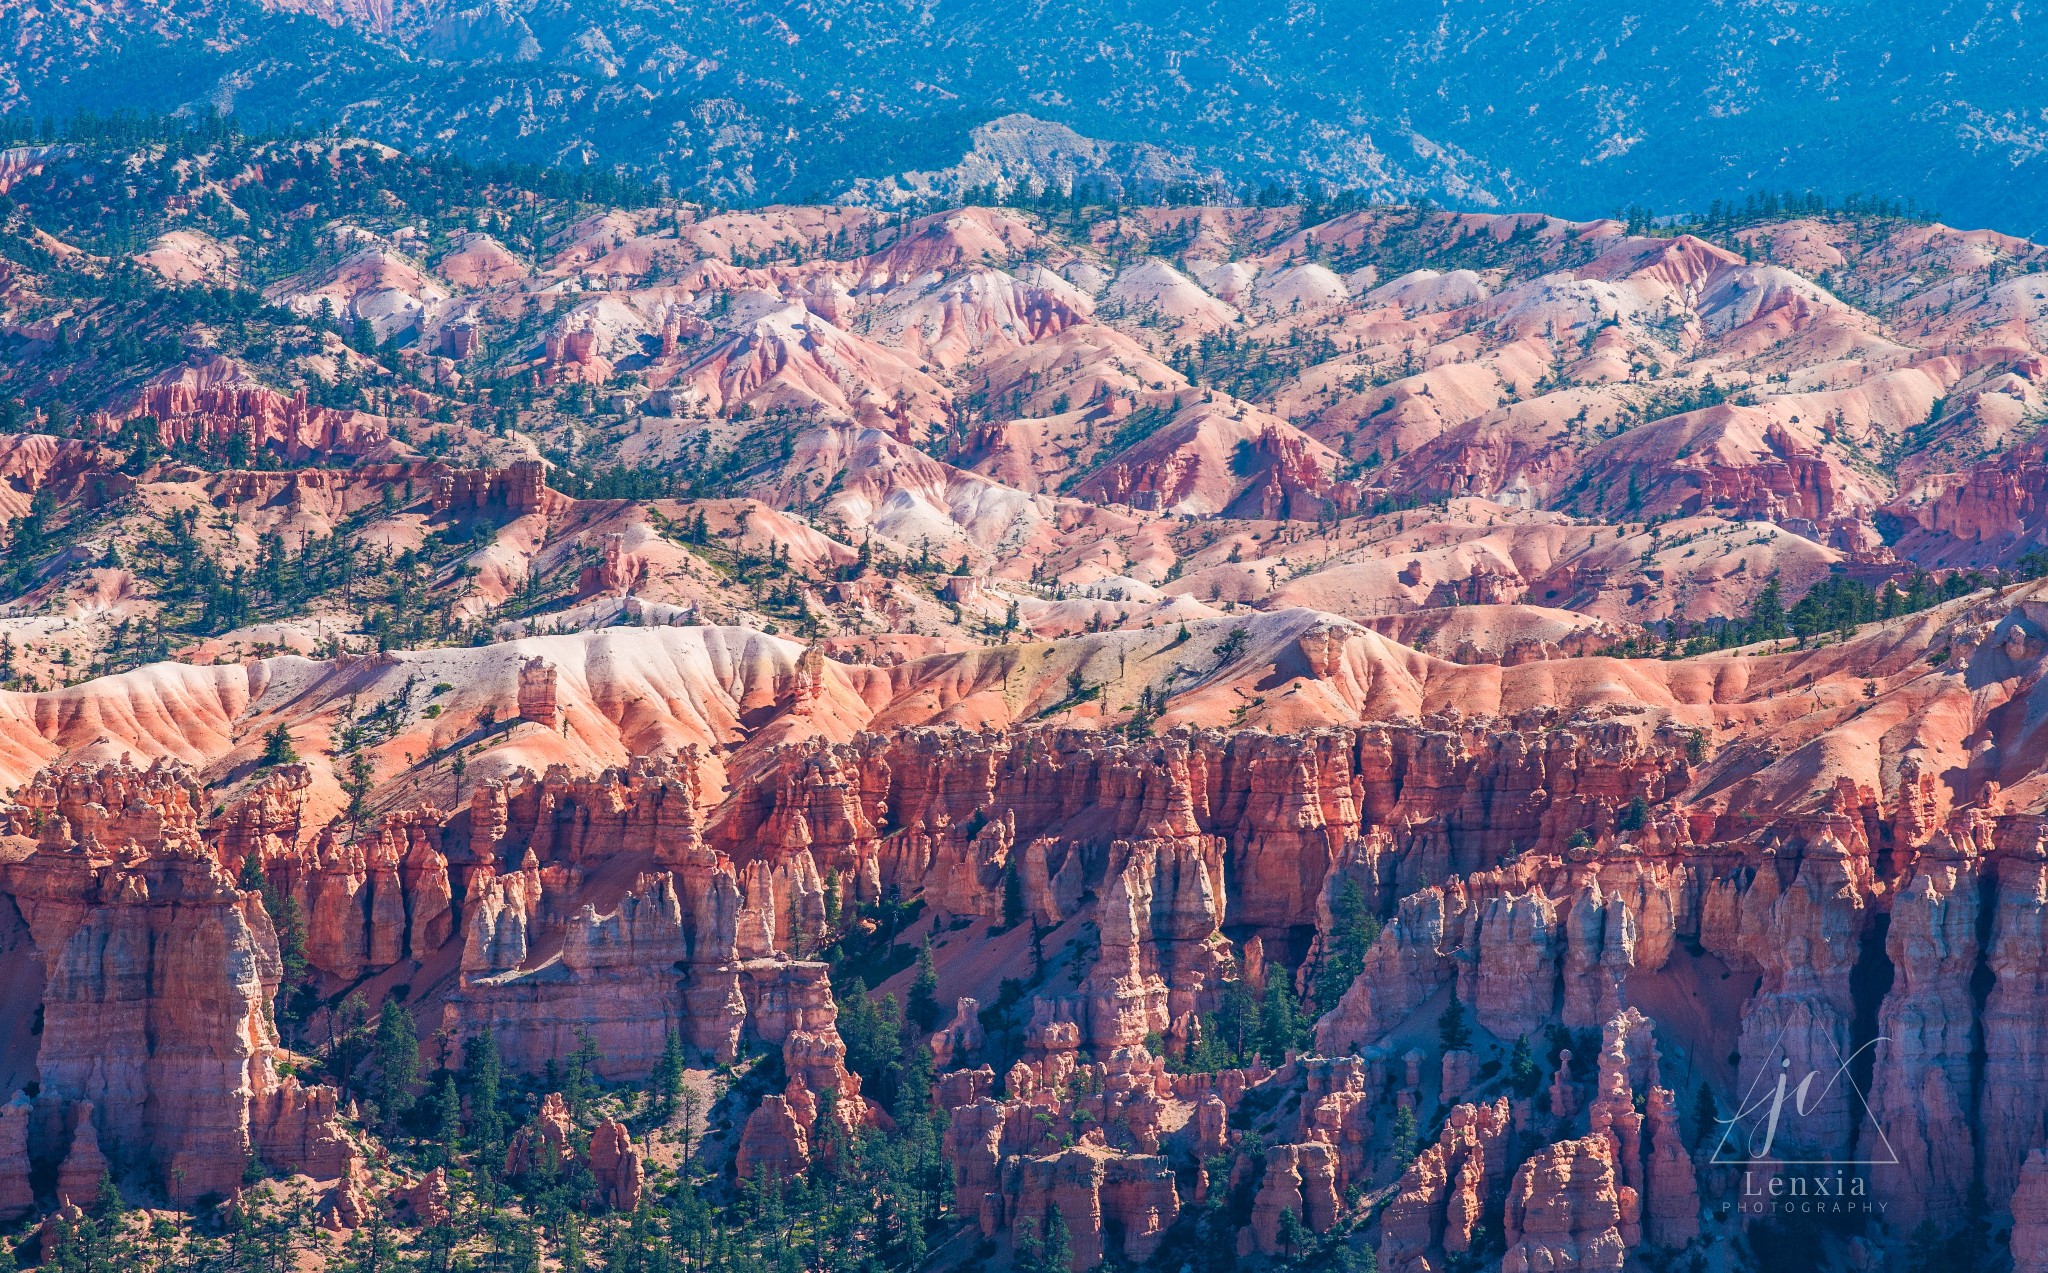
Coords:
1565,105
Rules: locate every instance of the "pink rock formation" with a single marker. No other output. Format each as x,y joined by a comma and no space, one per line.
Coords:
2029,1240
1671,1212
120,891
427,1199
1301,1179
1099,1192
615,1165
211,398
776,1142
543,1144
78,1180
538,701
1567,1210
1920,1084
2015,1097
17,1198
1442,1193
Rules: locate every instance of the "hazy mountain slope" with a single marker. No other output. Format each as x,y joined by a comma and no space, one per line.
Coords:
1574,107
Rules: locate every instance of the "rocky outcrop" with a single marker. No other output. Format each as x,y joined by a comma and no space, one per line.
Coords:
84,1166
211,399
612,907
1800,1017
1301,1179
1100,1193
2029,1241
1404,967
539,700
960,1039
542,965
1997,509
776,1142
1163,954
1286,809
1510,981
2014,1104
974,1145
119,892
17,1196
375,899
543,1145
1440,1197
517,489
1921,1082
615,1165
426,1201
1567,1210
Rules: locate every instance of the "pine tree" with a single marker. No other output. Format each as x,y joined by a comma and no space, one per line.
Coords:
1279,1022
668,1073
294,987
1523,1075
1050,1249
1766,614
1404,1138
1706,1115
579,1077
1293,1234
251,878
372,1249
445,1107
398,1063
924,992
1634,816
1013,895
1353,928
569,1253
692,1104
913,1074
1451,1029
1236,1022
485,1072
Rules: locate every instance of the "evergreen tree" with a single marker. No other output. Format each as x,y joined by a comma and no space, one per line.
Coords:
445,1116
1353,928
1706,1115
668,1073
924,992
397,1051
1280,1026
1403,1146
579,1076
1057,1243
1293,1234
569,1254
913,1074
372,1249
93,1243
1766,614
1236,1023
868,1038
1013,895
1523,1075
277,748
1451,1029
1051,1249
1634,816
485,1074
